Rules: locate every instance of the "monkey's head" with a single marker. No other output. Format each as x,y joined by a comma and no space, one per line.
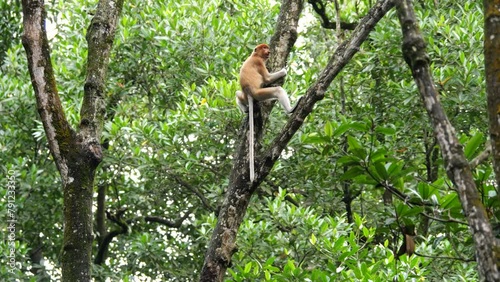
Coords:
262,50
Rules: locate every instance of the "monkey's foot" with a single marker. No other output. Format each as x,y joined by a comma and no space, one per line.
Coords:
294,107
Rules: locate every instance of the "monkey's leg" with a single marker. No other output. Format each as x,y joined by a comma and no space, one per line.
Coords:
241,100
275,93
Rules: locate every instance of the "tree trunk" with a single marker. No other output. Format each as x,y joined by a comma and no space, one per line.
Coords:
457,167
222,244
77,245
76,153
100,214
492,68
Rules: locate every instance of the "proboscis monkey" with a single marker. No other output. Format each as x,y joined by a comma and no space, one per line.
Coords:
253,77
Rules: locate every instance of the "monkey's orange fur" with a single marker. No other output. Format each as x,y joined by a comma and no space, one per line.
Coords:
254,75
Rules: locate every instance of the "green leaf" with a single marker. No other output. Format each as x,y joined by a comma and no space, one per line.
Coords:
342,129
381,171
353,143
461,56
328,129
352,173
273,268
270,261
313,138
385,130
289,266
426,191
348,160
365,179
401,209
248,267
450,201
339,244
313,239
360,126
366,232
473,144
379,155
364,269
360,153
413,211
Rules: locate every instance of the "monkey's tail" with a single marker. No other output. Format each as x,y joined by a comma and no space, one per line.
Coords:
251,139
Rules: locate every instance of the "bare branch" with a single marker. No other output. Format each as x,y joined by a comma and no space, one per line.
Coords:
100,37
483,156
173,224
443,220
319,8
106,240
60,135
192,189
124,228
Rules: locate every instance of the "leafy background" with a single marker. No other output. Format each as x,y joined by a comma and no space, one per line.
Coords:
171,129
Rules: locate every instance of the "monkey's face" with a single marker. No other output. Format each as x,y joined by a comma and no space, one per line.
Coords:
266,53
263,51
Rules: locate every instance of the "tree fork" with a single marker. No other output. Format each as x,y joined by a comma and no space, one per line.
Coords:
76,154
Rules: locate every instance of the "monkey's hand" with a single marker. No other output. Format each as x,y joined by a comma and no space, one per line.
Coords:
283,72
273,76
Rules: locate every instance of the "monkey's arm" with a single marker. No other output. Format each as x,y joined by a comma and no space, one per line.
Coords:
271,77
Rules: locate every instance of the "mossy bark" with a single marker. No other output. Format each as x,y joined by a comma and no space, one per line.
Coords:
76,153
492,69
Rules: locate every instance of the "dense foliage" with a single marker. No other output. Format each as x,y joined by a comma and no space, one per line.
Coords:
171,125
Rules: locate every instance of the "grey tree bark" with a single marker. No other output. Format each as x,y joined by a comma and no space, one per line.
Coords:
456,165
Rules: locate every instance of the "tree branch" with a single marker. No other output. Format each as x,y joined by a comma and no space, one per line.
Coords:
100,37
60,135
443,220
316,92
124,229
456,165
173,224
319,8
483,156
194,190
444,257
406,199
106,240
